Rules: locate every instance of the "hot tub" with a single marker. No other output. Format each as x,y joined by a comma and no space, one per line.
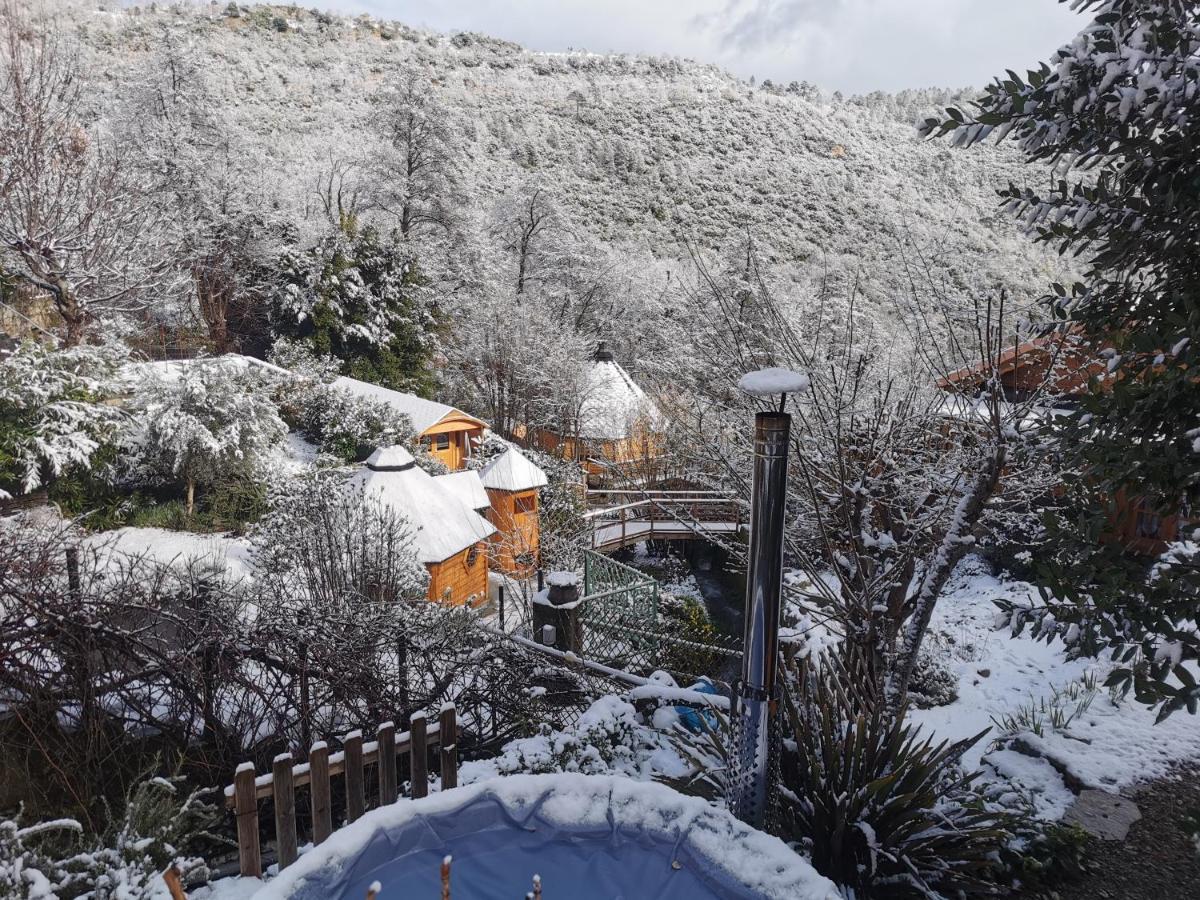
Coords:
587,837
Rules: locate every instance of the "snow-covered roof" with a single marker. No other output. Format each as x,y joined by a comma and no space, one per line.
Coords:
423,414
467,487
613,401
171,369
443,523
391,459
512,471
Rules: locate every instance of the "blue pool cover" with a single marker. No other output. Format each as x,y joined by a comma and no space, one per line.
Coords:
589,838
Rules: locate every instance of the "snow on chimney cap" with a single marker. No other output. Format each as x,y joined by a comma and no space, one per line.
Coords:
390,459
766,382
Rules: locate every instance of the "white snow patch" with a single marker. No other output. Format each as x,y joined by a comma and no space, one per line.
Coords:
766,382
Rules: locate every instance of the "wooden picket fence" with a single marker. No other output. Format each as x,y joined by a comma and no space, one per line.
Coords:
286,776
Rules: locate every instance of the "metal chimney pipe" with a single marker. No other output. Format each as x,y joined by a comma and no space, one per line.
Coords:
755,698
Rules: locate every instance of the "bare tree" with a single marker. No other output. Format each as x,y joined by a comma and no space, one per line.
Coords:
418,184
72,216
892,480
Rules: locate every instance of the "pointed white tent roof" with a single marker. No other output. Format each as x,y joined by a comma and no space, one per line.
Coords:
423,414
467,487
444,525
512,471
613,401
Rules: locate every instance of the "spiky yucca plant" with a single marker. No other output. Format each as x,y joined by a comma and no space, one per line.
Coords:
877,808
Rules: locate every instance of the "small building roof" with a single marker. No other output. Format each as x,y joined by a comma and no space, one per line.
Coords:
467,487
172,369
612,400
423,414
512,471
444,525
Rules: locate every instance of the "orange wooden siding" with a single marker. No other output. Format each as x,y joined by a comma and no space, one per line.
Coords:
450,441
463,578
514,546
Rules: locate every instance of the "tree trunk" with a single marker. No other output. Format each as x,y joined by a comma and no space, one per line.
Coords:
191,495
953,547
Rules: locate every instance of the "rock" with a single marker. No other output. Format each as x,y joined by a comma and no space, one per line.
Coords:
1107,816
984,672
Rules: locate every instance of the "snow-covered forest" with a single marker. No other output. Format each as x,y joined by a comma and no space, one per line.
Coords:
353,374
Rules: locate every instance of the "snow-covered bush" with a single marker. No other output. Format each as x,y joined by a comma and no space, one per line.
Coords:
341,424
26,873
160,824
876,807
52,418
608,738
933,682
205,424
324,544
344,425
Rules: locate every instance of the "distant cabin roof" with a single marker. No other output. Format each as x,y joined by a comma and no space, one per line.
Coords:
423,414
467,487
512,471
613,401
170,369
444,525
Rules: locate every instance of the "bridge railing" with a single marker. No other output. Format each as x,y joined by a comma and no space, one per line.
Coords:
663,515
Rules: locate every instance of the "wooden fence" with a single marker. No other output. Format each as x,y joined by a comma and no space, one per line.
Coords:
286,776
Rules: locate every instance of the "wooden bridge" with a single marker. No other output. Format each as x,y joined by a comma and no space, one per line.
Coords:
661,516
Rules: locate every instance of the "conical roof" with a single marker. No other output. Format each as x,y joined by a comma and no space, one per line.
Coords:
612,401
391,459
512,471
443,524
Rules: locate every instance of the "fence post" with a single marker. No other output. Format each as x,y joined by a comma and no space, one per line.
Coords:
387,763
353,752
245,804
285,809
448,739
500,597
305,705
402,674
418,755
318,783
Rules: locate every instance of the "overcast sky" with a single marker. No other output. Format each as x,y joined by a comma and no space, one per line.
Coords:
850,45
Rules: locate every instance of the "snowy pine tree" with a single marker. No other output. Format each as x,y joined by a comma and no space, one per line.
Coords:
206,423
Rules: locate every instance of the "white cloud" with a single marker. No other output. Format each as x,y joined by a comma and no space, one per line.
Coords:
850,45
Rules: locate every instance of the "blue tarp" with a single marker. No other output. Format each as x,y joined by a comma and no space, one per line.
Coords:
498,850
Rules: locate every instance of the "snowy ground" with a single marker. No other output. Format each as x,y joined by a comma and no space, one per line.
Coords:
1109,745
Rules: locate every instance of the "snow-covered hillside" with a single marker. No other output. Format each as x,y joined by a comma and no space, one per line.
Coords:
636,154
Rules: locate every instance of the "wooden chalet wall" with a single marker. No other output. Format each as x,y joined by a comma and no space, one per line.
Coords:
456,432
514,546
463,578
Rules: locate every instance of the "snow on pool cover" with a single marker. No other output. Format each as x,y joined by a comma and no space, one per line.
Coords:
588,837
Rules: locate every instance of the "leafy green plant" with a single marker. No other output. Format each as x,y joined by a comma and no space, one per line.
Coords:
876,807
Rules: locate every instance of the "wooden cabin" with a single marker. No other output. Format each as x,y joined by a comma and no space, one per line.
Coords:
614,429
1061,366
449,434
512,483
451,538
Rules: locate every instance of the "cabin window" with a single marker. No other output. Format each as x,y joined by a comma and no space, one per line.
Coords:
525,503
1147,523
441,441
472,555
